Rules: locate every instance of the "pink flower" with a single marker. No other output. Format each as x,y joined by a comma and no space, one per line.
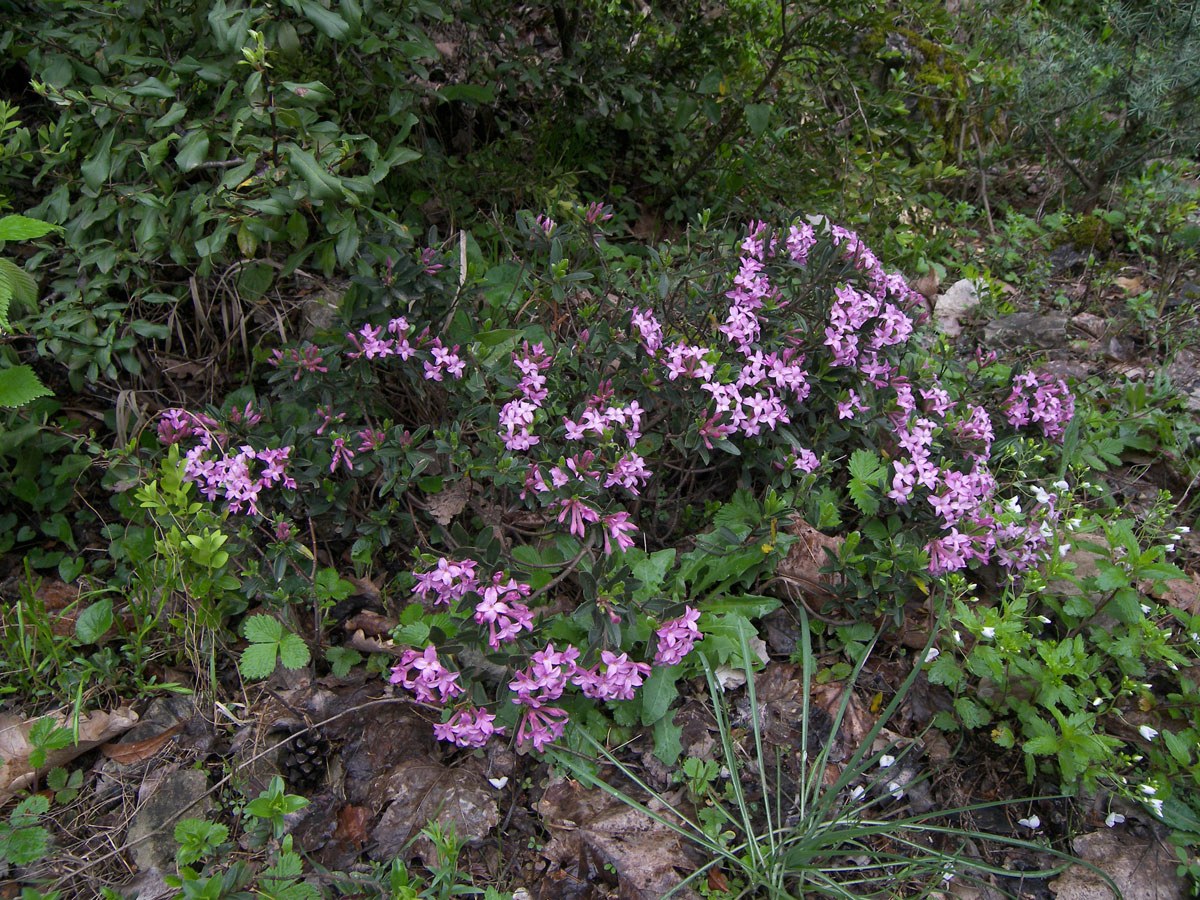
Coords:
342,454
470,727
580,514
677,637
618,527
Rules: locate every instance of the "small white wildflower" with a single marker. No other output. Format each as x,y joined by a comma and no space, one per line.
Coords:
498,783
1156,805
1148,789
1147,732
857,792
947,874
1145,610
1045,530
958,637
1183,529
1041,496
1044,620
1170,548
1113,819
1013,505
1194,636
1064,549
988,632
1072,524
897,792
933,654
886,761
1097,701
1031,822
1061,486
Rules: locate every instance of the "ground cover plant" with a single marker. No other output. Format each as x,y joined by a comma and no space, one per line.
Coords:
652,539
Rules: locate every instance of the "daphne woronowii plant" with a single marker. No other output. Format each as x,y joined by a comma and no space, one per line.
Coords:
596,484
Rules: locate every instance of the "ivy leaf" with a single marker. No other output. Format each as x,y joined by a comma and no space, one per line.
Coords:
293,652
263,629
258,660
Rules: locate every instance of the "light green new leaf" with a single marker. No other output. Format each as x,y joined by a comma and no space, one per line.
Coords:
263,629
258,660
23,228
19,386
94,621
293,652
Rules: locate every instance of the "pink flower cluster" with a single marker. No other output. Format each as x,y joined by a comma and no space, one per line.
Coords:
469,727
517,416
1041,399
424,675
238,477
499,606
307,360
677,637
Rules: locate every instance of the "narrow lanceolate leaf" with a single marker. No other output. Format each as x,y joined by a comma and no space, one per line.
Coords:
22,228
19,386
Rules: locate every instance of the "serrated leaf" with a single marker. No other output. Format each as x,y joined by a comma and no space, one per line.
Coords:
864,465
863,496
1043,745
293,652
258,660
19,386
23,228
971,713
1126,606
24,845
342,659
262,629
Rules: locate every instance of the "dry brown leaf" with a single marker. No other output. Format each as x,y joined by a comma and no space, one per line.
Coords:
801,568
1131,286
424,790
371,623
136,751
94,729
364,587
856,721
363,644
450,502
352,825
649,858
927,285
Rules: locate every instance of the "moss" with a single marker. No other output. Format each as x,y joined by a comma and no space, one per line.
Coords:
1090,233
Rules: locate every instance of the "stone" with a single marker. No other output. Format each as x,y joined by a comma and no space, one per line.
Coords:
1023,329
1066,259
151,834
951,307
1143,868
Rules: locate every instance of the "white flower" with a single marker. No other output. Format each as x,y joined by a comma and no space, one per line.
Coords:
933,654
1097,701
1170,548
886,761
1113,819
1041,496
1044,620
897,792
988,632
1183,529
1064,549
1157,806
1147,732
857,793
1031,822
958,637
1013,505
1072,524
1145,610
498,783
1061,486
1148,789
947,874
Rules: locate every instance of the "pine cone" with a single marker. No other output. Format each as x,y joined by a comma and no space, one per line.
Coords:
304,760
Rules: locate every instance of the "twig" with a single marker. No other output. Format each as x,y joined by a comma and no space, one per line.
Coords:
983,188
558,579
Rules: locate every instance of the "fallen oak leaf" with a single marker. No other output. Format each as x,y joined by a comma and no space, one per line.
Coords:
352,826
136,751
93,730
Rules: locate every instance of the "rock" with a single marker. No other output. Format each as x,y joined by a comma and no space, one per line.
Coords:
151,835
1184,369
1188,294
954,305
1042,330
1090,324
1066,259
1143,868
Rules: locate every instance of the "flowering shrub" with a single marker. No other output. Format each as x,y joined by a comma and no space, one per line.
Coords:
556,450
